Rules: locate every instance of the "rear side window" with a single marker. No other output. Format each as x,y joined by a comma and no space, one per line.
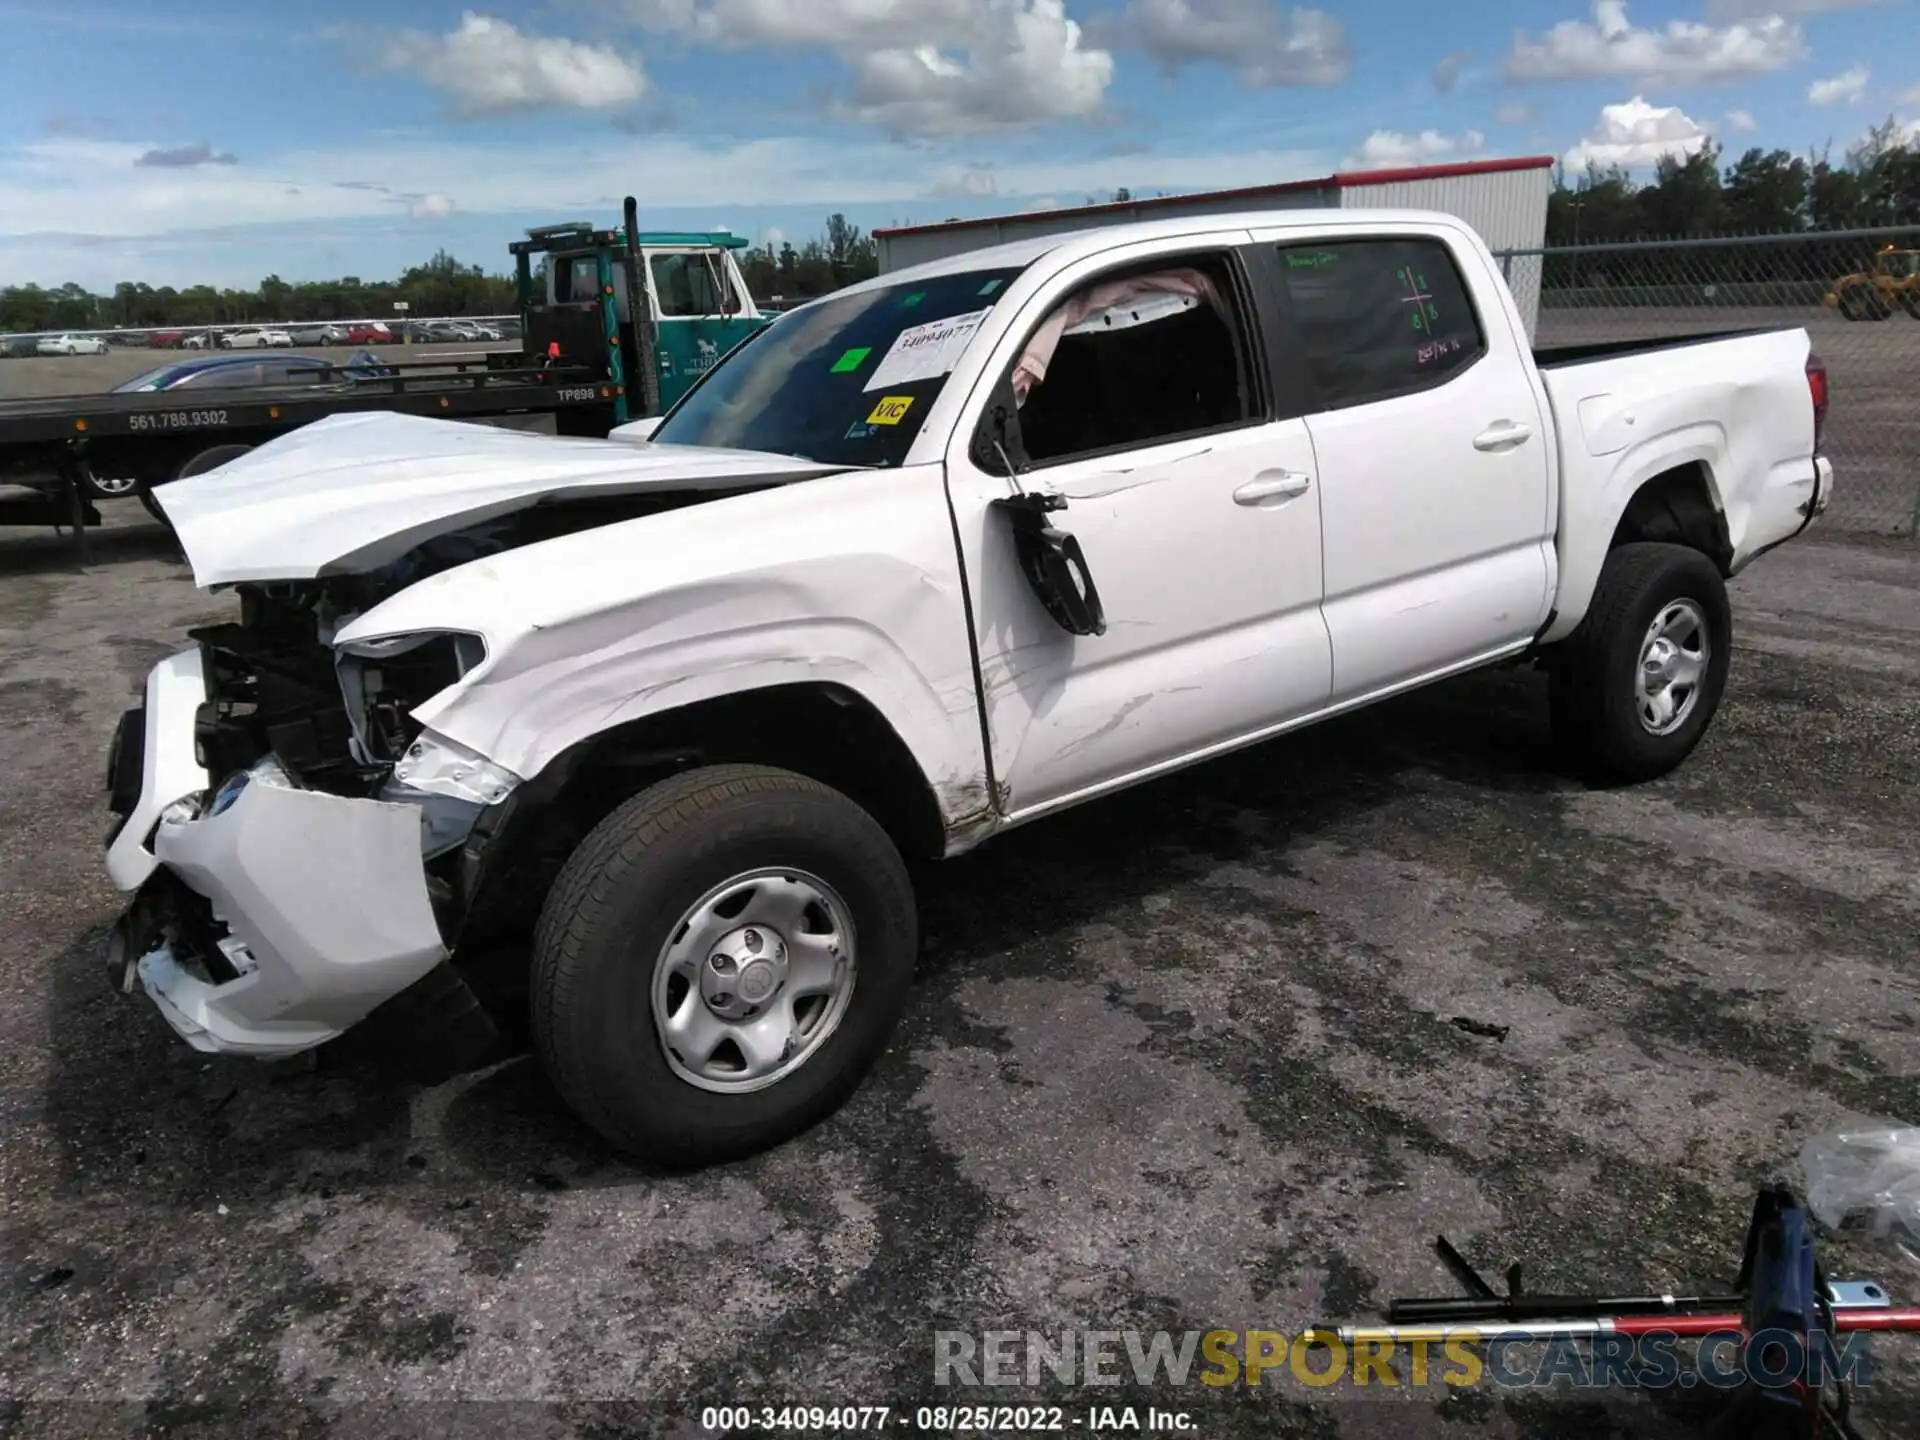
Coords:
1378,318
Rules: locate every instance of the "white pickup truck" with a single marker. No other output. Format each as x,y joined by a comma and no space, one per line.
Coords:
631,736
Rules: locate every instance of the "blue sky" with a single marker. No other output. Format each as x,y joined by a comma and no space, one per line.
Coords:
222,141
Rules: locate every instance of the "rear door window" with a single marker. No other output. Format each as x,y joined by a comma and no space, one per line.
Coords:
1378,318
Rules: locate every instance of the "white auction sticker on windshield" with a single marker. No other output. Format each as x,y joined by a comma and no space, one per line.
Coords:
925,352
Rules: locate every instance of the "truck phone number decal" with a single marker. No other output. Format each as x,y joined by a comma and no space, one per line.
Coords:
178,420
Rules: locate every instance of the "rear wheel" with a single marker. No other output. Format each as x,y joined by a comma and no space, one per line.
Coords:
102,487
1635,687
720,962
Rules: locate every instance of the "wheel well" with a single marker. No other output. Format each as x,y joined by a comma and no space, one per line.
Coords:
1676,507
826,732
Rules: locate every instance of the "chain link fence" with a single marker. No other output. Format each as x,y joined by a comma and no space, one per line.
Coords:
1856,292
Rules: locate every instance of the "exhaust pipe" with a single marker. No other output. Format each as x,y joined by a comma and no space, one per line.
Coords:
646,343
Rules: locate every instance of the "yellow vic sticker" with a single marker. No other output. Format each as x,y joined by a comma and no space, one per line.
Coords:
890,410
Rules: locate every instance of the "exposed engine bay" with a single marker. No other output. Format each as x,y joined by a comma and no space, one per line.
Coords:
288,708
339,721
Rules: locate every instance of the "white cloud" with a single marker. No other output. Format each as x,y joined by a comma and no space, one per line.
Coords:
1264,43
1849,87
1446,70
1636,135
919,67
85,209
832,24
183,156
1908,97
1682,50
1739,122
1389,149
489,67
1726,10
976,180
1030,66
1513,113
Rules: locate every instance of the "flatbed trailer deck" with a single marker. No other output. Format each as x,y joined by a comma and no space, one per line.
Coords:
51,444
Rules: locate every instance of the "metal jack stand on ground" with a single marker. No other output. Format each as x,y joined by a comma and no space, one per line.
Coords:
1782,1309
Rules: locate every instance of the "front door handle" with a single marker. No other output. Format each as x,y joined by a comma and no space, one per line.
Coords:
1503,435
1272,485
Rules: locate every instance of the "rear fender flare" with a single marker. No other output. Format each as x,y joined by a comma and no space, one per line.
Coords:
1587,535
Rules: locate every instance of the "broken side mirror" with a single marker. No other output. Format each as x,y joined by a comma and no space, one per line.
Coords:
1051,559
1054,565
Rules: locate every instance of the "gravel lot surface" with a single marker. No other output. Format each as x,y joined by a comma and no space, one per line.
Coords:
1180,1060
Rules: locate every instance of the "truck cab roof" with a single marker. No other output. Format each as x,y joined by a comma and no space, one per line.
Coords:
1071,245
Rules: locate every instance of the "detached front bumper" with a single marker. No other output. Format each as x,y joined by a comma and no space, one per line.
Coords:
309,910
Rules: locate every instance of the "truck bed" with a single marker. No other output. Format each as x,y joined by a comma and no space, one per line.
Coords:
1550,357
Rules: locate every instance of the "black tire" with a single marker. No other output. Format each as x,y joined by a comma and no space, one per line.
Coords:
212,458
613,909
1596,715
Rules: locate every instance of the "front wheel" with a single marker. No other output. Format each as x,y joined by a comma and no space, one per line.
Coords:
1635,687
720,962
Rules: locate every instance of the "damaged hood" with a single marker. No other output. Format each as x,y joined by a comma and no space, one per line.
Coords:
355,492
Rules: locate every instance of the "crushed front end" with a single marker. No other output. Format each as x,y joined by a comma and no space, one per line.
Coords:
299,850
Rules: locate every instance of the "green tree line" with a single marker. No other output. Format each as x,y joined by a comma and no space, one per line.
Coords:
441,286
1765,192
842,254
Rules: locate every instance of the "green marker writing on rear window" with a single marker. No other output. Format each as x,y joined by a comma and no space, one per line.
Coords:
913,299
851,360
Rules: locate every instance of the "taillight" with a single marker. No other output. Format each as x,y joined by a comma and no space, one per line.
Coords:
1817,387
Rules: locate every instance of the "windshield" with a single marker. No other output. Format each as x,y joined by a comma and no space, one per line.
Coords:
847,380
1902,263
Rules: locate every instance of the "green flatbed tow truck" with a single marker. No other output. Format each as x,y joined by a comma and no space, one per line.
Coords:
577,287
578,370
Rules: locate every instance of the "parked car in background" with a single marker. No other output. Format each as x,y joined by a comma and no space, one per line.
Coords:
17,347
255,338
230,372
70,345
201,341
369,332
327,334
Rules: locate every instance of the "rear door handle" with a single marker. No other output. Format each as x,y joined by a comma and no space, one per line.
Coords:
1503,435
1272,485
